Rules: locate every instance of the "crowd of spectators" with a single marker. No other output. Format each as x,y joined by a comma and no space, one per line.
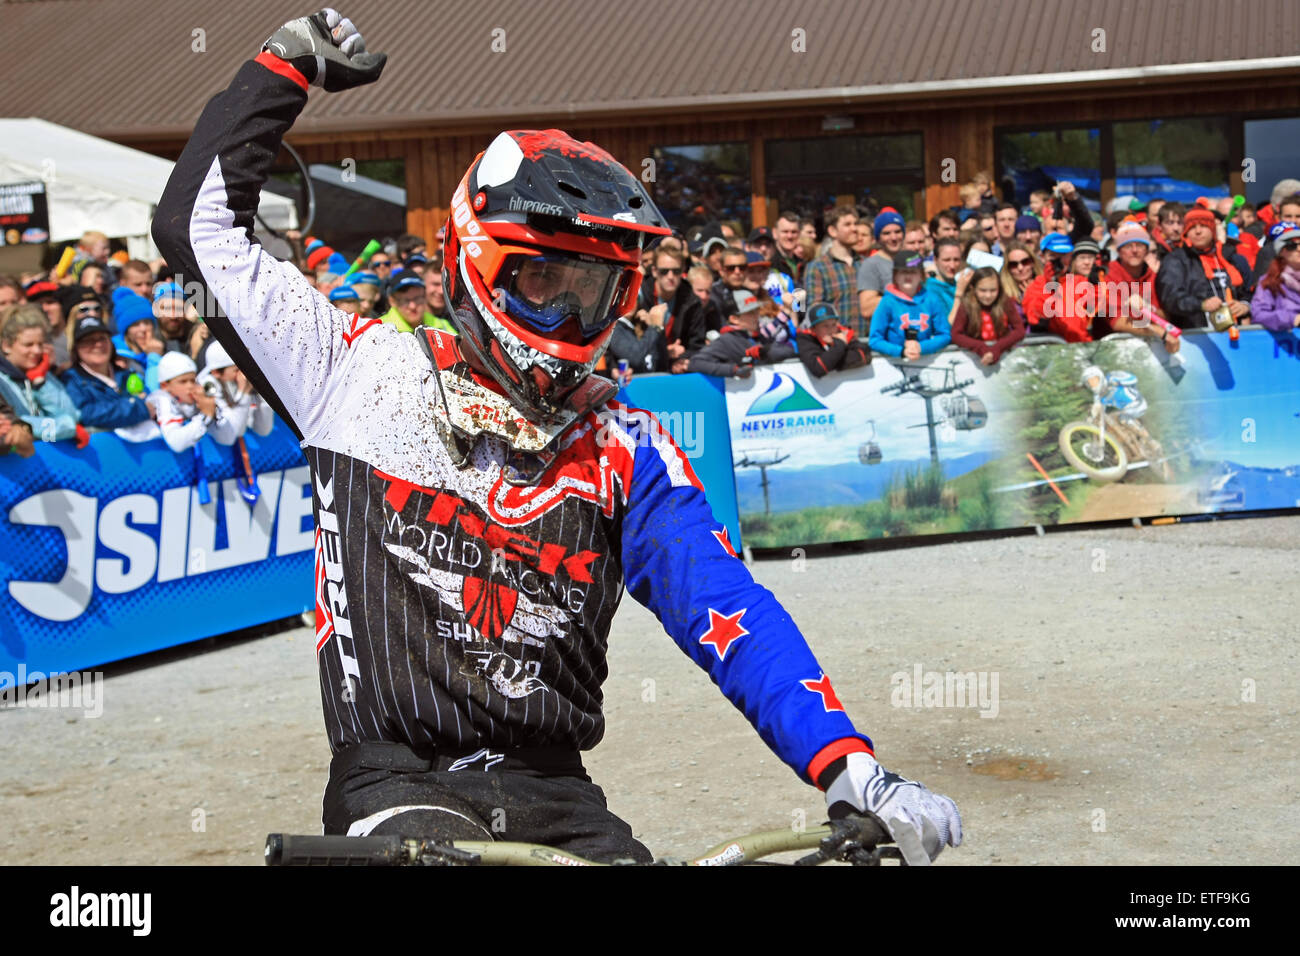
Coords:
114,343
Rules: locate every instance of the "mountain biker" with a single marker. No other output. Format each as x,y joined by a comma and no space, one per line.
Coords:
480,500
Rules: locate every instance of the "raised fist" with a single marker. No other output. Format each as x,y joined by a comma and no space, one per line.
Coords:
326,49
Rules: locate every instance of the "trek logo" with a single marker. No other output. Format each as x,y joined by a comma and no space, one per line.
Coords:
332,618
181,542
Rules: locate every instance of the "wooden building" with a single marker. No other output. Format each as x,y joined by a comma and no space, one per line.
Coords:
735,108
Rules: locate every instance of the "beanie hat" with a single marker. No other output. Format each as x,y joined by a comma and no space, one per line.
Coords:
337,264
175,364
1087,246
318,255
1201,215
130,308
365,278
1028,223
71,296
888,217
215,359
1130,231
338,293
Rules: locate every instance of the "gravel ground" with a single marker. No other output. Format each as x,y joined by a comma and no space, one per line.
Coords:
1124,730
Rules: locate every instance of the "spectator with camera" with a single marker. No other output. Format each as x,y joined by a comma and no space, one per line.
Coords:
1066,213
239,404
27,380
1198,283
739,345
826,345
908,323
984,319
184,412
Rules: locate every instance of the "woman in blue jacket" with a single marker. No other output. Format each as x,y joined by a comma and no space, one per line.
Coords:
100,381
26,381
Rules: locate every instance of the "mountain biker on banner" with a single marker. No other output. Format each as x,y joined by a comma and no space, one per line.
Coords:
471,550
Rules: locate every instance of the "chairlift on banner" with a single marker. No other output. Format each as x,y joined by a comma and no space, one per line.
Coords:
966,412
869,450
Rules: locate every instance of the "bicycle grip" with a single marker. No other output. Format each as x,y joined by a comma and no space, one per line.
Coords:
283,849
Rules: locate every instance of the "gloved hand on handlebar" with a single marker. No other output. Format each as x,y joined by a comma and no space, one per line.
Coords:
326,49
920,822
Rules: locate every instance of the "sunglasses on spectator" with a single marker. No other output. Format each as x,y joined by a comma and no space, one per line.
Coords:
376,263
88,309
735,268
1291,246
670,271
1017,263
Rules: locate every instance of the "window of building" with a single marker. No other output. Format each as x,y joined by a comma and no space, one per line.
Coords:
699,184
1039,159
1179,160
1272,145
811,176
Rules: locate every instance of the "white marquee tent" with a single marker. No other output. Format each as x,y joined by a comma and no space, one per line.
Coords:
92,183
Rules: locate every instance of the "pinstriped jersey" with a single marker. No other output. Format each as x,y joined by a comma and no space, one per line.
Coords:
455,608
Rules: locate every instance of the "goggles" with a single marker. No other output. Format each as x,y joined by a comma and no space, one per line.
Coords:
545,292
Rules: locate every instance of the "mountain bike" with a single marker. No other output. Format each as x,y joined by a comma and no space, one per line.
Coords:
854,840
1112,437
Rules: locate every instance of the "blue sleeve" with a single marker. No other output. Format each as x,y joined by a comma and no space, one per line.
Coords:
59,419
678,562
99,408
942,336
880,321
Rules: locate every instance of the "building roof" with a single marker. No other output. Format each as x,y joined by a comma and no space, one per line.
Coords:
137,69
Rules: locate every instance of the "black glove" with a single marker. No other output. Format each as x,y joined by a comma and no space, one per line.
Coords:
326,49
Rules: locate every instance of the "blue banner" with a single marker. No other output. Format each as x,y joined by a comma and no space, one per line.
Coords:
111,551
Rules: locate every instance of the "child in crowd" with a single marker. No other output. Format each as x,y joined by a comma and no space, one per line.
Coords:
137,337
240,405
984,319
825,345
739,345
908,323
184,412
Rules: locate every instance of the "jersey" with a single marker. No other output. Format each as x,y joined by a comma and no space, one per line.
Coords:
456,609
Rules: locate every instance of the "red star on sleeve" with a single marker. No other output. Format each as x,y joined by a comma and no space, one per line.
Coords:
725,540
724,629
823,687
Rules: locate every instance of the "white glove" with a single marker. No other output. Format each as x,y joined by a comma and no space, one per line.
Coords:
327,49
920,822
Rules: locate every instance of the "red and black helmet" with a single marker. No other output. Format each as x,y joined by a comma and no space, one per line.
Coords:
542,255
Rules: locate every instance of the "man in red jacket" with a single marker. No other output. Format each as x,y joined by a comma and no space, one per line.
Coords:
1065,300
1132,288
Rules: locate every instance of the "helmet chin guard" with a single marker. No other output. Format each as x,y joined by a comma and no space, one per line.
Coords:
467,409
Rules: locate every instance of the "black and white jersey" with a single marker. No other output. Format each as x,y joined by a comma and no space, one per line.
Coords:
456,609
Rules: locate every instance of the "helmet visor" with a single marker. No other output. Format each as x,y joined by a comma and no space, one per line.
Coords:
551,294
